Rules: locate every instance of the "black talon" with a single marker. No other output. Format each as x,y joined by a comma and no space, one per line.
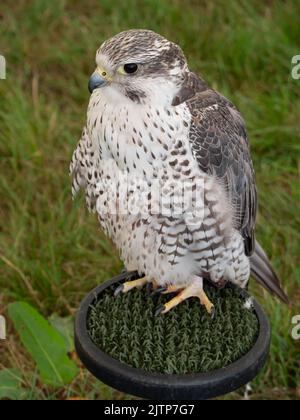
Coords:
159,310
213,313
119,290
158,290
149,289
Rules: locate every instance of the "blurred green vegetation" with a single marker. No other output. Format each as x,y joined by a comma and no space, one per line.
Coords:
51,250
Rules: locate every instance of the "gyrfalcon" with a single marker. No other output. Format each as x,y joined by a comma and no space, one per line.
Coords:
165,163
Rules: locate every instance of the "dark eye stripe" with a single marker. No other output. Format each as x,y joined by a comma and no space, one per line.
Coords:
130,68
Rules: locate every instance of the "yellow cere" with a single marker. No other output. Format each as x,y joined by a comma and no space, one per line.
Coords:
103,73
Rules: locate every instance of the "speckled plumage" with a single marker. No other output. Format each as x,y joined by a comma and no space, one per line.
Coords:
164,127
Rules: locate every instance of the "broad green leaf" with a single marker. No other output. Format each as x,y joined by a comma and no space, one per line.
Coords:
46,345
10,384
65,326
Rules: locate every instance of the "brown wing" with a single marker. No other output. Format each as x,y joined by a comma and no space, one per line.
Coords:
220,145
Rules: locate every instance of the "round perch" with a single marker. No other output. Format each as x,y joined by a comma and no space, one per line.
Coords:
184,354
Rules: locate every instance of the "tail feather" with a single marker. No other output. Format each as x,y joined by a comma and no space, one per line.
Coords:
263,272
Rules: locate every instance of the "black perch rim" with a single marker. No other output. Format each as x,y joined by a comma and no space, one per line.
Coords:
158,386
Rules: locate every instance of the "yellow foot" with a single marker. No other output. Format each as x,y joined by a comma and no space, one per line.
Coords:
155,289
129,285
171,289
195,289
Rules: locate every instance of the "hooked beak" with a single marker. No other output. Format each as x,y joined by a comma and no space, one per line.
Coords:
98,79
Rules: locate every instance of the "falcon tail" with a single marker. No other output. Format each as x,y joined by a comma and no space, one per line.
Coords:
263,272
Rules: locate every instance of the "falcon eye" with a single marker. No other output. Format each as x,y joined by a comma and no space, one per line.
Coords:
130,68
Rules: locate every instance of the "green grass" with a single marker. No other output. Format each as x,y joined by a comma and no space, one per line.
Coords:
51,251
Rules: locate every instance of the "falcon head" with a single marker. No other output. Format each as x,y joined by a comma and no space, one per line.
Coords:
140,65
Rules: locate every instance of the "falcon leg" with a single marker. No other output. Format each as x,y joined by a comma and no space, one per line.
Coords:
171,289
129,285
194,289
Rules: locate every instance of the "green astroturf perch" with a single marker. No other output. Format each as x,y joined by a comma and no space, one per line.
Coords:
165,163
186,340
